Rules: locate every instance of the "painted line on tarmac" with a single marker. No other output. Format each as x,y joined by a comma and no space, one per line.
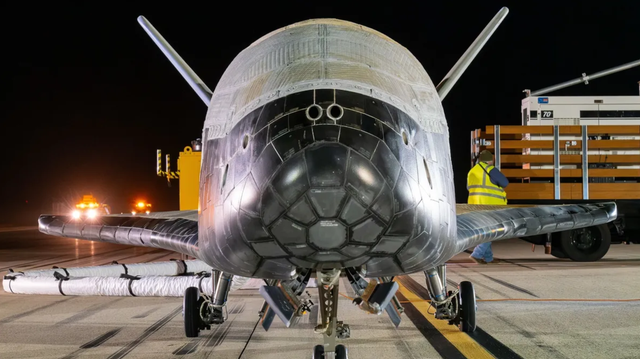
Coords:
438,341
478,344
465,346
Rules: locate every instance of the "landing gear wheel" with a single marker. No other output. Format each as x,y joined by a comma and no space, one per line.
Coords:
586,244
318,352
191,312
341,352
467,307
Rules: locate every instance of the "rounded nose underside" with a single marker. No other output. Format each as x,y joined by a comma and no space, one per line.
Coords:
325,179
316,206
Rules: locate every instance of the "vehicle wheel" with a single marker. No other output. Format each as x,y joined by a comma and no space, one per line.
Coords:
318,352
467,301
556,248
586,244
558,253
191,312
341,352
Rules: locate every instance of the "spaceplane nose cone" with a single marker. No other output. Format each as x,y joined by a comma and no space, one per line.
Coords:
328,234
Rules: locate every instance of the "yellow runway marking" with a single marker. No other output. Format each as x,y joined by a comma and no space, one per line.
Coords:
464,343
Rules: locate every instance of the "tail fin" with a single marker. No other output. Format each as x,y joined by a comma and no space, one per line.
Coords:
456,71
194,81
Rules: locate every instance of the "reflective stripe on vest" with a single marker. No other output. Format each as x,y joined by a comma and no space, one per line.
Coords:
485,188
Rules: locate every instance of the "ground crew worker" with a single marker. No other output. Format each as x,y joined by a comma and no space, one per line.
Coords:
486,184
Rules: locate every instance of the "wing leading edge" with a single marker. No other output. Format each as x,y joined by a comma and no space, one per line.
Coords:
482,224
174,231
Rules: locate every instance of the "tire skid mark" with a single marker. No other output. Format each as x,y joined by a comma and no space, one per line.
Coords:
220,336
146,334
94,343
482,285
29,263
499,281
138,255
144,314
101,339
57,262
509,285
32,311
188,348
518,264
85,313
469,251
218,333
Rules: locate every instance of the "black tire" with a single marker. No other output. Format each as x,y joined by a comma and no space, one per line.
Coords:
318,352
467,302
586,244
556,249
558,253
191,312
341,352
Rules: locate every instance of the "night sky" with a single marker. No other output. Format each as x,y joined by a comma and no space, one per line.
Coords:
88,97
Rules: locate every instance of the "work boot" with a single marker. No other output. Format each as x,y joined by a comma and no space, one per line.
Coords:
478,260
495,261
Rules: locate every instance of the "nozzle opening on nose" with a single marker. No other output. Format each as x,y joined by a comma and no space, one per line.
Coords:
335,112
314,112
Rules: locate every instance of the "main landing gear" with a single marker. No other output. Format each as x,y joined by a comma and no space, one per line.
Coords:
200,310
458,306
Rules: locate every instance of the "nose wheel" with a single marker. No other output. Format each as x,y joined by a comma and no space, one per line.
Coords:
339,353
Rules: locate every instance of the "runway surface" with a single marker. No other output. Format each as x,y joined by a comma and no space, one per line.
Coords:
516,316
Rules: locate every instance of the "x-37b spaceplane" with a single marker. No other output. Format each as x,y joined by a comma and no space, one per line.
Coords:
326,155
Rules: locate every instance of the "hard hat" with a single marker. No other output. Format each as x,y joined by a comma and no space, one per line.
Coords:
485,156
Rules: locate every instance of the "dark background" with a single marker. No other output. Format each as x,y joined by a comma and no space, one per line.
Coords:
88,97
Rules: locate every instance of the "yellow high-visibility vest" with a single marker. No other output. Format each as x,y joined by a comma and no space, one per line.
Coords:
481,189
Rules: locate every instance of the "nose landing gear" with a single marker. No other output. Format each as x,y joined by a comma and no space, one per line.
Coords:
330,327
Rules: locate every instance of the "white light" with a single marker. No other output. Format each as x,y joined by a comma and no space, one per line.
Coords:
147,212
366,176
75,214
92,213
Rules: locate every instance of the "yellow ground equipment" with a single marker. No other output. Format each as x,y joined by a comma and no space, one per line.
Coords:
90,208
188,172
141,207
